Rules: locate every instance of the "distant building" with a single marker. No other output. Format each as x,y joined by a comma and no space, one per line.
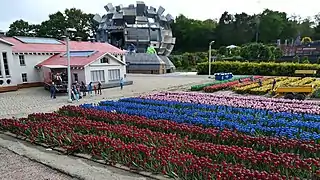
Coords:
311,50
141,26
28,61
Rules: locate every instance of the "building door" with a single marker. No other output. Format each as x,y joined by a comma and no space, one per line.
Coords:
76,79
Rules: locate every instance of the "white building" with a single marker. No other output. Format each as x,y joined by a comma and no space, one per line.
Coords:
27,61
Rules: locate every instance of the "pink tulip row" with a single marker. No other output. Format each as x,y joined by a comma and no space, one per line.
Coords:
273,104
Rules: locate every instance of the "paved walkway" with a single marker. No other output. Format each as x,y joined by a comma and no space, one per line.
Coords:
32,100
13,167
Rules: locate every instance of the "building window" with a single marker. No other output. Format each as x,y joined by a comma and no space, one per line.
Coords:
114,74
104,60
21,59
5,63
97,76
75,75
24,77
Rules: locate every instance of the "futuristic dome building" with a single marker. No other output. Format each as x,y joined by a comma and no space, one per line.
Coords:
139,25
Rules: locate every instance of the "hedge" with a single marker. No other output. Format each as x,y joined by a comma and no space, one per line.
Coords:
200,87
250,68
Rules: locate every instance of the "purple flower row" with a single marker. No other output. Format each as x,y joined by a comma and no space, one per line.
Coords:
273,104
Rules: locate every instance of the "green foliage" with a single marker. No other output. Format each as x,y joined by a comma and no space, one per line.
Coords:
192,35
305,60
263,68
296,59
56,24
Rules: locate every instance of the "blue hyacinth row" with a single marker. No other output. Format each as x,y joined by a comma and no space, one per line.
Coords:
246,120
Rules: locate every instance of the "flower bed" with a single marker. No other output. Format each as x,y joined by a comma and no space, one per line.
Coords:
268,87
188,135
249,121
137,142
200,87
226,85
271,104
246,89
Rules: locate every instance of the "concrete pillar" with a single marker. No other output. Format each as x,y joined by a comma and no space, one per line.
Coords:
3,73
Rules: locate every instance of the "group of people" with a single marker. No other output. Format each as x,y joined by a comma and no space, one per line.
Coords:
78,91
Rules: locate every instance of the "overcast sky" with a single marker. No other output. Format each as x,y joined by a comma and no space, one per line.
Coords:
35,11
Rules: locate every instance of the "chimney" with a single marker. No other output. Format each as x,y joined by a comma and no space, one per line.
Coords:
78,39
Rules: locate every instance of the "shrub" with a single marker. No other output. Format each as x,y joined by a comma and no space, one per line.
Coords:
250,68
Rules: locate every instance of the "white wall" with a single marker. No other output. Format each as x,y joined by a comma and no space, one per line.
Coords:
33,74
81,75
8,49
97,65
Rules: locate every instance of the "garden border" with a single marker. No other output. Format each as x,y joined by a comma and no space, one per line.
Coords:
86,157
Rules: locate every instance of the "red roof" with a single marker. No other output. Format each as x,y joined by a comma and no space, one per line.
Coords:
61,60
20,47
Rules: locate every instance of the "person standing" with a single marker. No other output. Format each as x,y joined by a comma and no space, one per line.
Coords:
274,84
121,83
95,89
53,90
99,88
90,89
260,82
84,88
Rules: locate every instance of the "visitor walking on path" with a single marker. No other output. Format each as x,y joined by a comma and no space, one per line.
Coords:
99,88
53,90
121,83
90,89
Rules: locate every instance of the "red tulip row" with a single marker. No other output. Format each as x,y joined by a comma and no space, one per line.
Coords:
157,158
216,136
284,163
222,86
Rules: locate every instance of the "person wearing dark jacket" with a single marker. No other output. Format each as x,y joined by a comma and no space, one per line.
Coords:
83,88
274,84
99,88
53,90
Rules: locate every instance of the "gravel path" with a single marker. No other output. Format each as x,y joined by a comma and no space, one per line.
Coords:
15,167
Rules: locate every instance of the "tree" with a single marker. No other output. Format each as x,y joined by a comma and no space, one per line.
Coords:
21,28
272,25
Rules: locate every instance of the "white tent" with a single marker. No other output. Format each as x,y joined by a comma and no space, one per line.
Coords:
231,46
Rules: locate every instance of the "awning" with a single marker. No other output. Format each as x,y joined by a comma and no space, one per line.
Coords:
55,66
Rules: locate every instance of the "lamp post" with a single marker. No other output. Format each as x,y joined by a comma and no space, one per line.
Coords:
68,32
210,44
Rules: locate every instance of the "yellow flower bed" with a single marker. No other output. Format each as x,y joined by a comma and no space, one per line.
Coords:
316,84
266,88
246,88
302,82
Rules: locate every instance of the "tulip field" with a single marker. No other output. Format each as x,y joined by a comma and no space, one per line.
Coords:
247,86
188,135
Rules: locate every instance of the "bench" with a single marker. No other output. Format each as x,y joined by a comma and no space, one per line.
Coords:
310,72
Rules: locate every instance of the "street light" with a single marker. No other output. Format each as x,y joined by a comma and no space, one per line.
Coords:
210,44
68,32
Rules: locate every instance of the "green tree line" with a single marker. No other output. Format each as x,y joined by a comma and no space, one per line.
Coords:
192,35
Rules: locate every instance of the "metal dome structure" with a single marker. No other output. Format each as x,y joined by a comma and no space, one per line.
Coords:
140,25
